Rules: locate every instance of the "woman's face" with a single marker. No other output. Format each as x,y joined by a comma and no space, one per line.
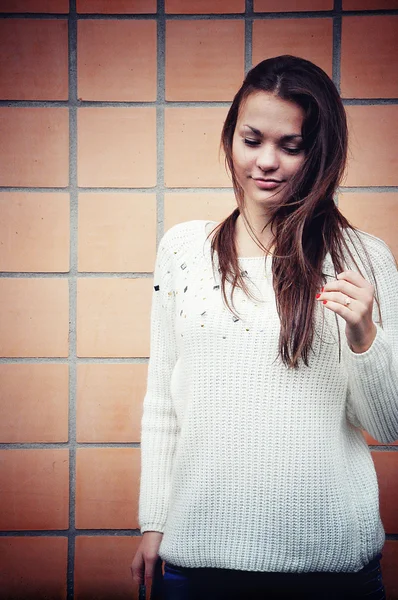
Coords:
267,147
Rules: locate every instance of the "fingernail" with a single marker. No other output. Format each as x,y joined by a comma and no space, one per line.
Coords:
322,288
318,296
324,301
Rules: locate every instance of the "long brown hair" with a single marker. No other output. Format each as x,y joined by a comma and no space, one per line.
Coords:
306,224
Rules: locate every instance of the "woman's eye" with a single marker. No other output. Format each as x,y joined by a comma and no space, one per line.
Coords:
292,150
249,142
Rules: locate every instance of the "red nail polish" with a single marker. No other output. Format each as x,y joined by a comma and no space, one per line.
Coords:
322,289
318,296
324,301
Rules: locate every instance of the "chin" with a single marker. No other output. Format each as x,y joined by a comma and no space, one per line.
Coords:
263,196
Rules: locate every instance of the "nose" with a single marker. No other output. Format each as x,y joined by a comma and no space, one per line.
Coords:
267,158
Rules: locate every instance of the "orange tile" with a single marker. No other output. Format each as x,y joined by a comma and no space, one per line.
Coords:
117,232
34,489
33,402
34,230
35,317
308,38
35,6
116,60
109,402
389,564
116,147
369,57
107,483
33,567
33,59
373,442
292,5
121,7
374,212
369,4
200,7
185,207
204,71
373,140
35,147
192,141
102,567
386,464
113,317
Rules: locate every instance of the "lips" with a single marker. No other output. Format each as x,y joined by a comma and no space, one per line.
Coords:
267,184
267,179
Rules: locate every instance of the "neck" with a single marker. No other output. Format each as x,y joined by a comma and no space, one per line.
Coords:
245,244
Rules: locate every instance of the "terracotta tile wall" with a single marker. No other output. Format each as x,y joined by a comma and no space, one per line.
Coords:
110,117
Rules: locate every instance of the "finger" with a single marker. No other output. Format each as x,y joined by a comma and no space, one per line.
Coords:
149,570
148,590
346,288
337,297
364,293
137,572
344,311
354,278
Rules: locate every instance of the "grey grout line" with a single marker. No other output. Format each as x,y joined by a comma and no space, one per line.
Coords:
205,17
381,448
370,13
134,360
248,35
57,445
70,569
336,68
168,103
370,101
160,119
41,16
79,532
182,190
275,16
368,189
72,276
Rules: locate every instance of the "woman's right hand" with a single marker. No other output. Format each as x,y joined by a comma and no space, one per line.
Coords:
145,558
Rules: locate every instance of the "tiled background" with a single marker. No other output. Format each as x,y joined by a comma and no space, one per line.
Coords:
110,118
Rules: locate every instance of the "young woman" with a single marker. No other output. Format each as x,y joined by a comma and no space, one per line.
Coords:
274,342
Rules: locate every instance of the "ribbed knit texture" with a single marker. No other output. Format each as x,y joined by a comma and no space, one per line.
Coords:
247,464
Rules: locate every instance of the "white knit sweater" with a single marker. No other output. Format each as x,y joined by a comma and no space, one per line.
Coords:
247,464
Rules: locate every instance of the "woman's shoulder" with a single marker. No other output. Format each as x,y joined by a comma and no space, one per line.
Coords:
187,233
364,242
371,251
186,240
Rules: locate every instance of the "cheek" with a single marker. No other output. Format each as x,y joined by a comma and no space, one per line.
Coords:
240,160
296,165
241,171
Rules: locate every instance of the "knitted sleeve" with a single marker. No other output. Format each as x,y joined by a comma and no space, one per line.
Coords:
373,375
159,424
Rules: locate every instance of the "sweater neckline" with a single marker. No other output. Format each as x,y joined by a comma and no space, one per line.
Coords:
252,259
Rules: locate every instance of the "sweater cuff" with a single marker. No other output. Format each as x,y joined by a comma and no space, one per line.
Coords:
378,345
152,527
370,368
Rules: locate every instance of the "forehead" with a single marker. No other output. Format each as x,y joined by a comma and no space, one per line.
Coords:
265,112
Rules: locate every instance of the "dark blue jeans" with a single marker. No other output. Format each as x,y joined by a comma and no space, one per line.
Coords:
181,583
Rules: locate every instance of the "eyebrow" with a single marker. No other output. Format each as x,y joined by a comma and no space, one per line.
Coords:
284,137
